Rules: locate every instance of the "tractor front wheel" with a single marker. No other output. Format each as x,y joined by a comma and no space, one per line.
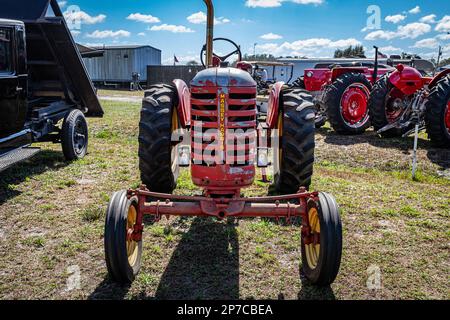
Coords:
122,253
158,158
346,101
322,246
294,157
437,117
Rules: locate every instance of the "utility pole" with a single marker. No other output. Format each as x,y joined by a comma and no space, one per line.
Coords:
254,50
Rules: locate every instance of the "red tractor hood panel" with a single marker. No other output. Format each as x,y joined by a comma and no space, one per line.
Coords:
223,77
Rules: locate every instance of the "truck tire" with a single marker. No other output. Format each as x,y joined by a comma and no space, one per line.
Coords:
294,160
74,135
437,117
380,110
346,101
158,161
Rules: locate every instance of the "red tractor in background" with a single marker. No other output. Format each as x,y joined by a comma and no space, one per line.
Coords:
403,102
341,93
226,141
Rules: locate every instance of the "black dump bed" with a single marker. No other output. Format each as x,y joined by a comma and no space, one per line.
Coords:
55,66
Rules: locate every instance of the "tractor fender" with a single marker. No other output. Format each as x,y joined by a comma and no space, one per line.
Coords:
184,102
438,77
274,104
407,79
337,72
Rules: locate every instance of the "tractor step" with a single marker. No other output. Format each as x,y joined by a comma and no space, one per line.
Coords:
9,158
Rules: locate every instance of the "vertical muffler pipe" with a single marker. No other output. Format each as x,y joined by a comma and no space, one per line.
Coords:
209,33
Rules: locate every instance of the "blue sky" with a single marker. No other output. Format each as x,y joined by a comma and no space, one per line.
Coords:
312,28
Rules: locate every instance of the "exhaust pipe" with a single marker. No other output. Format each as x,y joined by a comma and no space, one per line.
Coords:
209,32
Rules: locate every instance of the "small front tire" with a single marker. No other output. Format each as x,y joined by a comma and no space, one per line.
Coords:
321,258
122,255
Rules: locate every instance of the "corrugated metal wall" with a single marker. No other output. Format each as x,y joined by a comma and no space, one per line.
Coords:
165,74
118,65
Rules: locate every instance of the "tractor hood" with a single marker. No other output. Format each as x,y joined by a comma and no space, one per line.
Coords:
223,77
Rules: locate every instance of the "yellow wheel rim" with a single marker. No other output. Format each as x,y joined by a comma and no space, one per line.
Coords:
132,246
174,148
313,250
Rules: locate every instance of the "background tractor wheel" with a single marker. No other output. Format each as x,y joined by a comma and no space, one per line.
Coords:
295,158
385,107
437,116
346,100
322,258
74,135
123,257
158,159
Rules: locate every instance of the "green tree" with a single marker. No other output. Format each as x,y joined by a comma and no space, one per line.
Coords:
350,52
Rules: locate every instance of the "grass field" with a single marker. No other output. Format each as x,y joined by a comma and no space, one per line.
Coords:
52,215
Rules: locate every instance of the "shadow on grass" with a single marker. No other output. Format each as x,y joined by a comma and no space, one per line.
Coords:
205,264
45,160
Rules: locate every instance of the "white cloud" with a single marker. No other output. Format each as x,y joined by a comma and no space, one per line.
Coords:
83,18
429,43
278,3
145,18
171,28
97,34
75,32
395,18
308,46
411,31
444,24
389,49
415,10
271,36
428,19
444,36
200,18
141,34
62,4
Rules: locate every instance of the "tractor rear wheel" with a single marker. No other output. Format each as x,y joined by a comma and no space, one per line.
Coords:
122,254
437,116
346,101
294,159
158,159
385,107
321,255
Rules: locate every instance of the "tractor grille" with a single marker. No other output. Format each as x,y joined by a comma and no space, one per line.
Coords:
228,127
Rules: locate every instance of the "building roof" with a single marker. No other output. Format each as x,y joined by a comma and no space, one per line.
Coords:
124,47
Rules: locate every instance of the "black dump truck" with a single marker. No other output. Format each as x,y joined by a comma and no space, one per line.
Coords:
45,90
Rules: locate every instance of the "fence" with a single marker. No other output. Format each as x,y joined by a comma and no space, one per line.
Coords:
165,74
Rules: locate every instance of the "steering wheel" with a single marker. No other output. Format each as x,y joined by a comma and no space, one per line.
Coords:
218,59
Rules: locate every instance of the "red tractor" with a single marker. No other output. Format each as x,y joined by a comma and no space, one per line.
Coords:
404,99
226,142
342,92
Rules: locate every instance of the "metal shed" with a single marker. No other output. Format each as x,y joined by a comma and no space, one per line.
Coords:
118,63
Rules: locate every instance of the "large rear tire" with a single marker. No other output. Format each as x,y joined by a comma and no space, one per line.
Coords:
294,160
321,258
346,102
437,117
382,107
158,161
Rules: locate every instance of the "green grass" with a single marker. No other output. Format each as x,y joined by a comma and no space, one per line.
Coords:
52,217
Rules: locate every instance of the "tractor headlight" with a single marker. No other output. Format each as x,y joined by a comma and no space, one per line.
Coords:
184,156
263,157
309,74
